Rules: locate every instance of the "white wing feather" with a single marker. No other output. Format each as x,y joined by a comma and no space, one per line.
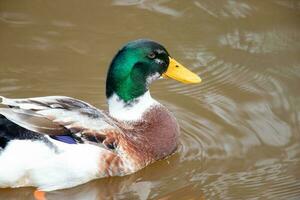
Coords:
49,114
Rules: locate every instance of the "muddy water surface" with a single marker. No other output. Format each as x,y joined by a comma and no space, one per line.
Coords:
240,128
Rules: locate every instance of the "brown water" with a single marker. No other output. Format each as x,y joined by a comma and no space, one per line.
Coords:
240,127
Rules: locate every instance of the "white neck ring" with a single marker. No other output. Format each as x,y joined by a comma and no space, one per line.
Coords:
132,111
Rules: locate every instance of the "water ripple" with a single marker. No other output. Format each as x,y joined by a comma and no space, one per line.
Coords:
227,8
155,6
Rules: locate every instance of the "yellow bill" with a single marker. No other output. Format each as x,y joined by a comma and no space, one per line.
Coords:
180,73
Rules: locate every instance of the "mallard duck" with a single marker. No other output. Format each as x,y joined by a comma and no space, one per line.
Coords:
57,142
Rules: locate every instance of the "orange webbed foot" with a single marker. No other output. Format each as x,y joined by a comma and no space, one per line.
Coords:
39,195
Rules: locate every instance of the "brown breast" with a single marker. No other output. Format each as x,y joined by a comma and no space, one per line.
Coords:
151,139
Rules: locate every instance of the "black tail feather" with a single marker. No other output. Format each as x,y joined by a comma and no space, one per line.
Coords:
10,131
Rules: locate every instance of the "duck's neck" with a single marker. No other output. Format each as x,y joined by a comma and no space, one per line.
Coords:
132,110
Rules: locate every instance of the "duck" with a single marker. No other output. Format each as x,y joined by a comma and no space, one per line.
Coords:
58,142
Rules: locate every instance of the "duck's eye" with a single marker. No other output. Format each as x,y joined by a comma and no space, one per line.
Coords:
151,55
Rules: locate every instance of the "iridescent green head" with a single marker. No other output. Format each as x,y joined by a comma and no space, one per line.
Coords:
137,65
134,67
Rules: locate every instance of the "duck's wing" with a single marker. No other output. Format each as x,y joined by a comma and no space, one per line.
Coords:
57,115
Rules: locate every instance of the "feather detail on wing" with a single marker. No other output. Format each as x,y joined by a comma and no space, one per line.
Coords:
57,115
